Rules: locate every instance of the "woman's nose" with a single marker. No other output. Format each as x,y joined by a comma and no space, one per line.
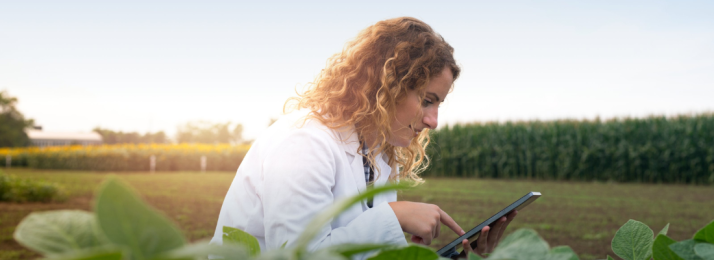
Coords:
431,117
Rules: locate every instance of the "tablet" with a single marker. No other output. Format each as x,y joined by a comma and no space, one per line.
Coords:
450,250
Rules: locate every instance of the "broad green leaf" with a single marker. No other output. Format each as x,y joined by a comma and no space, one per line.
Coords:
202,250
97,253
348,250
126,220
633,241
704,250
60,231
685,249
474,256
558,256
706,233
664,230
412,252
660,248
610,257
557,251
312,228
523,244
234,235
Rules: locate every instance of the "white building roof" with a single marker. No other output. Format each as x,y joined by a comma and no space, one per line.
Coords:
42,135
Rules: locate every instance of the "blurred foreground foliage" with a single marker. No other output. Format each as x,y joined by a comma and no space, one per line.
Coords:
656,149
124,227
129,157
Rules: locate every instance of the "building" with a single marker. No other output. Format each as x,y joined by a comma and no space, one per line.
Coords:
41,138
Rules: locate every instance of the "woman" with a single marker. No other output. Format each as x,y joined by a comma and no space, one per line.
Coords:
364,121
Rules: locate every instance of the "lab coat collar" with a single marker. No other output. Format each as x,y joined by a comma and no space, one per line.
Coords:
350,143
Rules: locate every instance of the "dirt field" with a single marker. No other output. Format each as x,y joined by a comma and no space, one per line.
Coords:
582,215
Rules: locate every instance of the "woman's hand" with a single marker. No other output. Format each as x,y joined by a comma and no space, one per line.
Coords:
489,237
423,220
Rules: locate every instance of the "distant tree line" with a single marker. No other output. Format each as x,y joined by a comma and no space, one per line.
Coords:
199,132
113,137
13,126
209,133
12,123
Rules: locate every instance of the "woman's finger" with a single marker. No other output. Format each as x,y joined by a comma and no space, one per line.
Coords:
495,235
467,247
427,237
437,230
449,222
482,241
510,217
417,239
504,226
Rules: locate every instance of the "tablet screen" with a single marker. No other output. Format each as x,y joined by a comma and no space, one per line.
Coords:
455,247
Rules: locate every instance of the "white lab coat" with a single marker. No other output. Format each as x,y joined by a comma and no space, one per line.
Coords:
293,172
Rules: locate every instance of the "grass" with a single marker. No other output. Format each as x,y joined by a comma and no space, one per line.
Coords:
584,215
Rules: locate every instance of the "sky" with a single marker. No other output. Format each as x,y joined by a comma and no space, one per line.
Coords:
150,66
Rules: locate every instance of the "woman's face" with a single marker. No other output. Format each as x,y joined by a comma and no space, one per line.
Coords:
413,116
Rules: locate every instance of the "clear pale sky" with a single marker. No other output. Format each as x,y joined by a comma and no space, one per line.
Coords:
152,65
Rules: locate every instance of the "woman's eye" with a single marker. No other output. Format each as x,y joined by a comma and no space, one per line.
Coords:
426,103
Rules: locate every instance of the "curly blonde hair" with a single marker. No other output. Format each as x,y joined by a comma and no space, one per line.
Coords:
362,85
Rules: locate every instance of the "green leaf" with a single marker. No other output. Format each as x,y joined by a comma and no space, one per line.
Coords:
312,228
664,230
60,231
559,252
633,241
685,249
348,250
704,250
558,256
284,244
474,256
126,220
523,244
97,253
661,250
237,236
201,250
410,252
610,257
706,233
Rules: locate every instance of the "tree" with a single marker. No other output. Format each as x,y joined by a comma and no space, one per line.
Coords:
12,123
209,133
112,137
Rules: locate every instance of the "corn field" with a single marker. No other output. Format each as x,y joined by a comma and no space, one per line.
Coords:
129,157
653,150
